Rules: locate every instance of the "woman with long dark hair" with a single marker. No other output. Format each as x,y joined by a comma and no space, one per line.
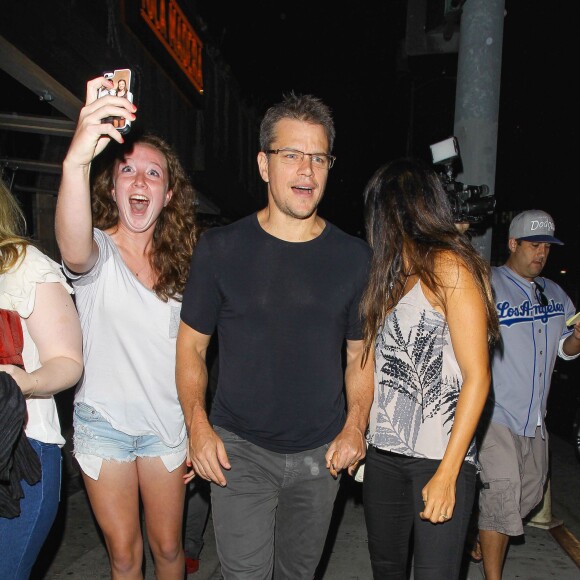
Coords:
429,319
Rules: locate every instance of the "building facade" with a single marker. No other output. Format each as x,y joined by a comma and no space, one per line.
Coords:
183,89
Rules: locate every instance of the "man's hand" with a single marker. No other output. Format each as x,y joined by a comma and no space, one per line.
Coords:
208,454
349,447
346,451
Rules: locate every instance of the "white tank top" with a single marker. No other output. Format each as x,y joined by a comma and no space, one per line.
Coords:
417,381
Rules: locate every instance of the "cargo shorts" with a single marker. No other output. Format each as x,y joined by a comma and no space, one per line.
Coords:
513,475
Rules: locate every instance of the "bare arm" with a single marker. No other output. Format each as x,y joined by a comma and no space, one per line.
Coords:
349,447
467,323
73,219
571,345
206,450
55,329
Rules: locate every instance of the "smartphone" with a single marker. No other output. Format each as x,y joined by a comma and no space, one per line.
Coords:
123,87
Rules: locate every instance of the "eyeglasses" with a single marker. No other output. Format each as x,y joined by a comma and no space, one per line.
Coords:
540,296
295,157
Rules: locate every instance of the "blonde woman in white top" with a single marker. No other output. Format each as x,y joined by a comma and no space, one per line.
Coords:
36,298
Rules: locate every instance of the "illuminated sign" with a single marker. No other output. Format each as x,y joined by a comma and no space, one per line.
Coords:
169,24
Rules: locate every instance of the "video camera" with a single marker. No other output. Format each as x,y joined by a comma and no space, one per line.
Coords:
469,203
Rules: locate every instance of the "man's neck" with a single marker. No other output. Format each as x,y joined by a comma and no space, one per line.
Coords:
289,228
510,267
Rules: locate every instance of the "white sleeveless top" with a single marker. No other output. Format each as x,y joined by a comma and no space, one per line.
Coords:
18,293
129,340
417,381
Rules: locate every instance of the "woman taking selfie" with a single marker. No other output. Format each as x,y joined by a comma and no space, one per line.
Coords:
126,246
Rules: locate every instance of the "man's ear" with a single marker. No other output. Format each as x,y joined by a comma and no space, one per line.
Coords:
263,167
512,245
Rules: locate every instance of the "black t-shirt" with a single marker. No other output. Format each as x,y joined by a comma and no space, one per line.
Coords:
282,311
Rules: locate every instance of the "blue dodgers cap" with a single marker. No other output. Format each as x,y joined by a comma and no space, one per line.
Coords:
534,225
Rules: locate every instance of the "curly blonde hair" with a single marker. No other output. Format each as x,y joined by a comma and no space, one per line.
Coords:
176,230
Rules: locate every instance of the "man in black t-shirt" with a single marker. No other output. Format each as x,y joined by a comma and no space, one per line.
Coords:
282,287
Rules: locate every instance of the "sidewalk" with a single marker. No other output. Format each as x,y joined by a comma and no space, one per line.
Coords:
78,551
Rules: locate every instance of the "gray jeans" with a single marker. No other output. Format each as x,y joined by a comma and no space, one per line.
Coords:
272,517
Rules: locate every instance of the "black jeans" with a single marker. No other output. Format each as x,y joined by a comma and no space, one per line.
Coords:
392,502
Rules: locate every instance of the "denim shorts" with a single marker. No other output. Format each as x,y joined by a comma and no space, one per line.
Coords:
95,440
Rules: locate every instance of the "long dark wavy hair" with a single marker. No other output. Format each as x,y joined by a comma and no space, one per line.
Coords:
176,229
407,213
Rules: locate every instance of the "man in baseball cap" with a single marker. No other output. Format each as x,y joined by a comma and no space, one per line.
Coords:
534,226
513,453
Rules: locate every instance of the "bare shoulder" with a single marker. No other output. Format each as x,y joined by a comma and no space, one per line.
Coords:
452,271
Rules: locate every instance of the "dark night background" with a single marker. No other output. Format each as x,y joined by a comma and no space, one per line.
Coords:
386,105
351,58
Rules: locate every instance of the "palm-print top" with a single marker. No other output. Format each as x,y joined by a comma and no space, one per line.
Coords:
417,381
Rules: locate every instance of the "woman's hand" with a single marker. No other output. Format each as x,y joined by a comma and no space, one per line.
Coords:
438,499
190,473
24,380
91,135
